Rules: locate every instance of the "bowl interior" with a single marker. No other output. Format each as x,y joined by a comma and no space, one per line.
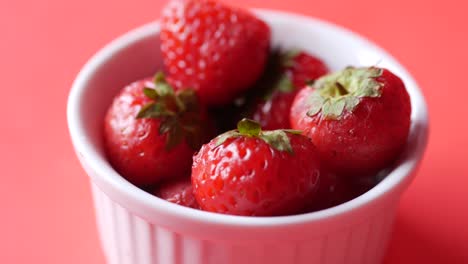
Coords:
136,55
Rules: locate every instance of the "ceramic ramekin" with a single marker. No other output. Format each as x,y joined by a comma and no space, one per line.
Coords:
136,227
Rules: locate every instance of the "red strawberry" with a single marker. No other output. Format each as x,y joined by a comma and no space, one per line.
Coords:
358,118
179,191
360,185
332,191
151,132
253,172
293,70
218,50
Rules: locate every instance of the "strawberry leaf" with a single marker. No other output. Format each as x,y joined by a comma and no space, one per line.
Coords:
150,93
288,57
248,127
161,86
179,113
274,78
351,102
315,102
225,136
278,139
333,108
285,84
167,125
343,90
164,89
145,111
159,78
151,110
189,99
309,82
293,131
340,89
190,121
194,138
175,135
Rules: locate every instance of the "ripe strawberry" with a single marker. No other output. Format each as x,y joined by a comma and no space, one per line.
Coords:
227,116
253,172
287,73
151,132
217,50
358,118
360,185
179,191
332,191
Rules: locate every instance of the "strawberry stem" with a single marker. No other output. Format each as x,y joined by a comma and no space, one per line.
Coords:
342,90
179,113
249,127
277,139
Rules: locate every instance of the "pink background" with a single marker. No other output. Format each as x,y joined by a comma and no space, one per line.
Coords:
45,202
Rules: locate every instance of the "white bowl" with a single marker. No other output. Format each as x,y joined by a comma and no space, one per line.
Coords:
136,227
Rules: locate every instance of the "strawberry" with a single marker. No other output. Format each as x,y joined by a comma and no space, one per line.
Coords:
360,185
217,50
287,73
334,190
253,172
152,131
227,116
358,118
178,191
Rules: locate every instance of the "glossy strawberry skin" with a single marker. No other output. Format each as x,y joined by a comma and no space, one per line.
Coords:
305,68
273,113
134,147
245,176
179,191
362,141
217,50
332,191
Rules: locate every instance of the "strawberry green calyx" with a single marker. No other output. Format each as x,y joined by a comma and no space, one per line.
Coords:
275,78
285,84
288,57
278,139
286,60
179,113
343,90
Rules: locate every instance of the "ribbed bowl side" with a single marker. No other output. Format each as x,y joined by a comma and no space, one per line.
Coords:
129,239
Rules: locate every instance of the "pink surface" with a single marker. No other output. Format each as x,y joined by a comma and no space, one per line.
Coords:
47,214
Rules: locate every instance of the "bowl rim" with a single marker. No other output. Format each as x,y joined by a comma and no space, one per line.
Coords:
109,179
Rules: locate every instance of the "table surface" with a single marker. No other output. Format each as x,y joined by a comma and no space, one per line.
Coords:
47,213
